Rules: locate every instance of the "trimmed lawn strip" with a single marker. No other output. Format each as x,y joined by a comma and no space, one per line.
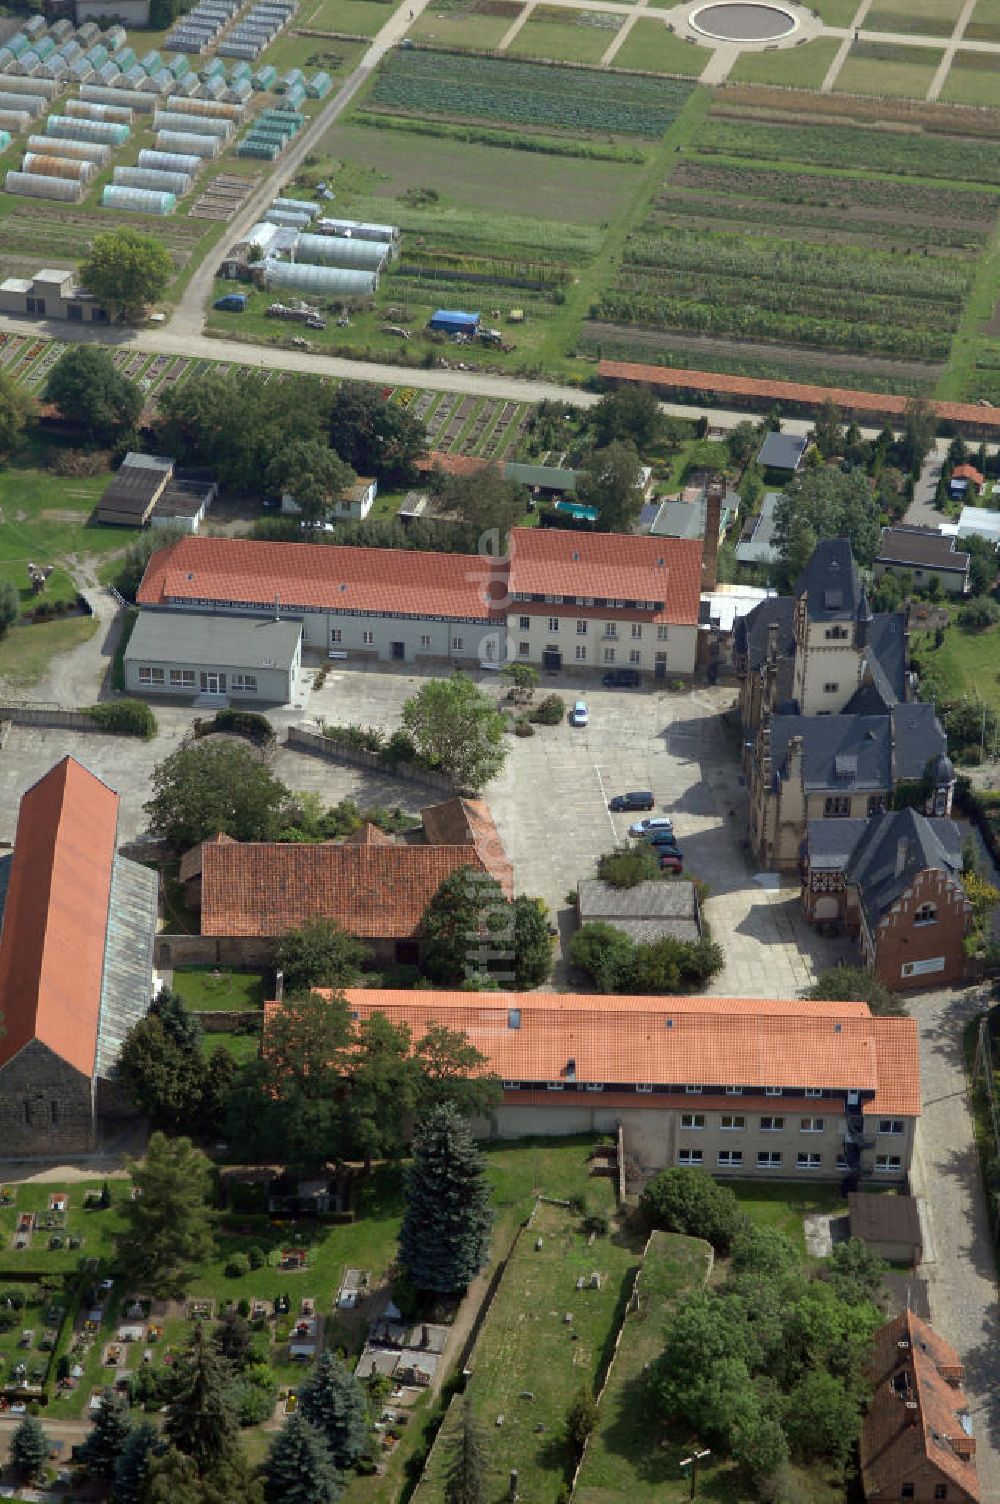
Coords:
650,47
561,41
805,66
836,12
242,1047
784,1206
461,28
918,17
966,662
984,23
973,78
885,68
209,988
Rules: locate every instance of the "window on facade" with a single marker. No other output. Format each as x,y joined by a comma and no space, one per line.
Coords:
336,635
837,808
610,629
940,1490
644,1086
926,914
694,1091
523,649
182,678
830,689
906,1492
768,1159
554,1085
581,629
836,634
553,623
892,1126
812,1125
773,1091
425,641
692,1120
457,644
54,1111
609,655
245,682
814,1091
637,629
809,1161
524,622
581,653
594,1086
661,633
729,1159
733,1123
876,804
734,1091
26,1113
689,1156
885,1164
635,656
148,675
369,637
772,1125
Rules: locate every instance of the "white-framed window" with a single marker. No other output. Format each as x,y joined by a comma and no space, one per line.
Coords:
661,633
150,675
694,1091
926,914
555,1085
689,1156
425,641
812,1125
841,1163
524,622
808,1161
512,1086
635,656
773,1091
581,652
609,655
644,1086
594,1086
733,1122
336,634
245,683
734,1091
581,629
182,678
523,649
553,623
637,629
814,1091
730,1159
610,629
769,1159
692,1120
457,644
887,1164
890,1126
368,638
772,1125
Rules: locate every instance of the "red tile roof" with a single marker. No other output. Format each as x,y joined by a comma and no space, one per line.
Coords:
878,404
374,892
190,863
401,582
469,822
56,916
968,472
897,1053
369,834
660,1040
553,561
915,1416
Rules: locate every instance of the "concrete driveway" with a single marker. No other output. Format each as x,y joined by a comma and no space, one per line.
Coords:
959,1263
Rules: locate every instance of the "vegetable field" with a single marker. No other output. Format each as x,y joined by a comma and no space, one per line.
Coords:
556,98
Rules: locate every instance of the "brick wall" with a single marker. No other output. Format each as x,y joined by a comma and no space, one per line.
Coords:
901,942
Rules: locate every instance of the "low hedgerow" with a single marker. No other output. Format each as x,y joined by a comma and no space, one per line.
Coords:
124,718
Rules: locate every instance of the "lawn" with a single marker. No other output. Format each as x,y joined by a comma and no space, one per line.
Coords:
26,652
651,47
984,25
242,1047
45,517
95,1228
544,1339
783,1207
565,36
973,78
206,989
360,18
626,1456
836,12
933,18
462,25
803,67
967,663
884,68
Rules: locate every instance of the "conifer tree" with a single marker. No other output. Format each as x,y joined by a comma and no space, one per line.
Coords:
201,1421
29,1447
132,1467
468,1465
107,1436
299,1469
444,1239
332,1400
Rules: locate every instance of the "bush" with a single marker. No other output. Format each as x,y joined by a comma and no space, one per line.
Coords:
690,1201
256,1257
399,750
364,738
635,864
252,1402
978,614
124,718
548,712
237,1266
523,728
249,723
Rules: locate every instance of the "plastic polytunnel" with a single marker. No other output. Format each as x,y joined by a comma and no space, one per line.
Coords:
198,125
33,185
358,229
337,281
84,151
59,167
206,147
15,121
297,206
138,200
106,131
100,94
177,183
338,250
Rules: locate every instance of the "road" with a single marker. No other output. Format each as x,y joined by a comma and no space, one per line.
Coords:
922,512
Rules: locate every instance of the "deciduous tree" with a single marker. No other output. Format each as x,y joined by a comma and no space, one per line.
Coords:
167,1221
470,929
690,1201
211,786
298,1469
457,729
16,406
845,984
89,390
444,1238
629,414
333,1401
827,503
484,504
126,271
451,1070
372,435
611,481
10,606
313,474
320,954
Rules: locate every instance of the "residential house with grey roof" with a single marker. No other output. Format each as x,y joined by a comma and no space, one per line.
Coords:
895,882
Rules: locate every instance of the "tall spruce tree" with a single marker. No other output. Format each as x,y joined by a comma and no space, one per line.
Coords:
468,1465
299,1469
29,1447
107,1436
132,1467
444,1239
332,1400
201,1421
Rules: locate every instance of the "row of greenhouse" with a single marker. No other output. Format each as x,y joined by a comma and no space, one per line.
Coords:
257,29
294,247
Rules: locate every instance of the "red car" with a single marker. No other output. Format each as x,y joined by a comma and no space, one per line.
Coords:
672,863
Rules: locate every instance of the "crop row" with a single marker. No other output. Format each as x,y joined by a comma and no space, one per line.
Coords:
798,264
822,302
749,320
839,194
525,94
823,226
853,146
952,120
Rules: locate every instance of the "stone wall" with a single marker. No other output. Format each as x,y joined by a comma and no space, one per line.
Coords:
46,1106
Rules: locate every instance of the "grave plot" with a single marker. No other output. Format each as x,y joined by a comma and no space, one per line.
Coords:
11,346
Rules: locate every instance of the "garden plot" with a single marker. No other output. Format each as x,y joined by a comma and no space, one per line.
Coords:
11,346
888,68
973,78
566,36
477,24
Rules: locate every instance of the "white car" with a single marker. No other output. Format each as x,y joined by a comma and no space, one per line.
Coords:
579,715
655,822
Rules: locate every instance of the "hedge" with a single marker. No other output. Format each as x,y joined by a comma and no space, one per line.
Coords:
124,718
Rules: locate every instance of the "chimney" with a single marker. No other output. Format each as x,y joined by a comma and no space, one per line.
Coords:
901,849
714,492
912,1412
963,1446
773,630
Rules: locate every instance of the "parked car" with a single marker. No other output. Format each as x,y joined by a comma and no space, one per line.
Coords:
622,678
652,822
579,715
671,861
661,838
233,302
637,799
